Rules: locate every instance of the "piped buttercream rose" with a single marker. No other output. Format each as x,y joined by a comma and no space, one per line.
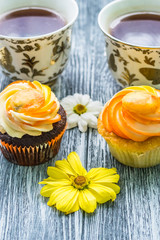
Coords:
133,113
27,108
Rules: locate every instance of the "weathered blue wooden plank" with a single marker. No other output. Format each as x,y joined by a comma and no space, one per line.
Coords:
134,215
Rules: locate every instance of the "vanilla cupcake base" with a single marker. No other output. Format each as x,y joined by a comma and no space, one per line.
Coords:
134,154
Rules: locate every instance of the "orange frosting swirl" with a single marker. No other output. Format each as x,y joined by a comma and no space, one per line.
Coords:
133,113
27,108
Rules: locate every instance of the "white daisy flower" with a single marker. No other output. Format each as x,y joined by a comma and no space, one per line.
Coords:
81,111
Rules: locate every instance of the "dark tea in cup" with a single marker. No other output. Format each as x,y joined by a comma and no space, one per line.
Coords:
139,28
28,22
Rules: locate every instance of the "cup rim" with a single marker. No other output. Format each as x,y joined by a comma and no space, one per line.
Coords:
69,24
117,39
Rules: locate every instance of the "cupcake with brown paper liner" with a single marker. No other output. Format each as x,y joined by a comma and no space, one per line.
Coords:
32,123
130,123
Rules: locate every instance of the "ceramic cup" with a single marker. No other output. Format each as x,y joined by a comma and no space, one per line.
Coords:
130,64
43,57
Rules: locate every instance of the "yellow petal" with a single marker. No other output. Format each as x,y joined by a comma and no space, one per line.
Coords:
74,208
98,173
55,183
115,187
54,196
76,164
65,199
46,191
69,201
102,193
65,167
49,179
87,201
56,173
109,179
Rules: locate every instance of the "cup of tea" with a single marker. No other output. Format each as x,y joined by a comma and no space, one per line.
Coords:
132,35
35,38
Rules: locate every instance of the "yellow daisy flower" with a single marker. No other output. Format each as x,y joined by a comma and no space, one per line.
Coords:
69,186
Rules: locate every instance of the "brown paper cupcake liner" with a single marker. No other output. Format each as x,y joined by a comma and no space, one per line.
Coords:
30,156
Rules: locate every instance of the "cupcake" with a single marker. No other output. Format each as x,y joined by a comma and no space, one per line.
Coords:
130,123
32,123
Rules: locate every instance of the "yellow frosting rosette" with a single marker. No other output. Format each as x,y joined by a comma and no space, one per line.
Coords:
27,108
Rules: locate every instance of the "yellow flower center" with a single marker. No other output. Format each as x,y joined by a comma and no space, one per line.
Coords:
80,182
80,109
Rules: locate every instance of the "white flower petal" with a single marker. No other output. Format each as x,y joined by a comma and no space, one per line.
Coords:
77,98
68,102
82,99
73,117
82,124
70,126
90,119
72,120
93,123
68,98
69,112
94,107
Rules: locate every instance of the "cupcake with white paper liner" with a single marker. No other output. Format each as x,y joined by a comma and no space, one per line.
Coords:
130,123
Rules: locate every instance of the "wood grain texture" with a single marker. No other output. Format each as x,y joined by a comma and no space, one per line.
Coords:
135,214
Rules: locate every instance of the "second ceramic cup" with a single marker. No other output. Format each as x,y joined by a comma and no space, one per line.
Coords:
41,57
130,64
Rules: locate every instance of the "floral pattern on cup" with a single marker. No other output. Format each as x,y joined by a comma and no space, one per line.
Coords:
20,59
132,65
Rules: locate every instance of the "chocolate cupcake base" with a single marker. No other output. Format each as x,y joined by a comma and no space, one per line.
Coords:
30,156
30,150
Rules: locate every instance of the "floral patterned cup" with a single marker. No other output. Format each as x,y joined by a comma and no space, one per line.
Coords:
130,64
41,57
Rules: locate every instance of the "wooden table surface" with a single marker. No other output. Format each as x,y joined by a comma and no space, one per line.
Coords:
135,214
